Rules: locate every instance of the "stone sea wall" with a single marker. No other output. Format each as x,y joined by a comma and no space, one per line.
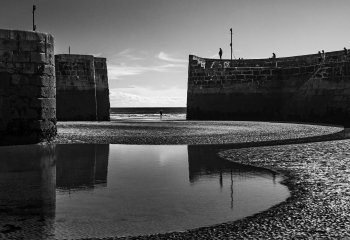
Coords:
27,87
82,88
102,90
302,88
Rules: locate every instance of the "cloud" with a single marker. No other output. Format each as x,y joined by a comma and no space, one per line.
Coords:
166,57
142,97
118,71
130,54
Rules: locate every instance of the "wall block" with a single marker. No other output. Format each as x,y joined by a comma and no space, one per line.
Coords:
82,88
27,87
302,88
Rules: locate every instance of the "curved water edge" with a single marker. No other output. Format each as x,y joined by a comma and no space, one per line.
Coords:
82,191
287,182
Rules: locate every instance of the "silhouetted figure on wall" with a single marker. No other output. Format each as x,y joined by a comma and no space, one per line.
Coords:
274,58
319,56
323,56
345,53
220,53
160,114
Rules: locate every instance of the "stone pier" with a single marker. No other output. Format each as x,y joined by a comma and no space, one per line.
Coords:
27,87
301,88
82,88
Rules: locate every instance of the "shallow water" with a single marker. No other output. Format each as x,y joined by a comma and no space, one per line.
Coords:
147,117
148,114
76,191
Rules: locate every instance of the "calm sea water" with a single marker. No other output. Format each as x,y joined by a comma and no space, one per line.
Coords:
148,113
79,191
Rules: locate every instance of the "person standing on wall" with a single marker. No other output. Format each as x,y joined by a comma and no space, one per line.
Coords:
345,54
220,53
274,58
323,56
319,57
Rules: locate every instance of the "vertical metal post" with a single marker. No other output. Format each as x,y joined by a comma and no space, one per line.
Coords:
34,26
231,42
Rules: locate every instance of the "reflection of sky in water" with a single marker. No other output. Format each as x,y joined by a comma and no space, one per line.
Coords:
108,190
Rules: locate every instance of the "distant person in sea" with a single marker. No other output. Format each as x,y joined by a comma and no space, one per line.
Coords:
220,53
160,114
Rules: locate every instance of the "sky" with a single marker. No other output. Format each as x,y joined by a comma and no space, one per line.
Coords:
147,42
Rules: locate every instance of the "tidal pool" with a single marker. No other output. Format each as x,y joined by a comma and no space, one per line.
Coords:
80,191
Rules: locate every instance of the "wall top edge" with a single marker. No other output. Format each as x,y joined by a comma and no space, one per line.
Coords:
100,59
74,55
332,53
23,32
81,56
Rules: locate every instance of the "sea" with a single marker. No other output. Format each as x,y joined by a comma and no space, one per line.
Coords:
149,114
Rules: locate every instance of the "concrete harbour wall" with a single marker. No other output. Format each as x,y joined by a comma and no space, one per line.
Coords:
301,88
82,88
27,87
102,90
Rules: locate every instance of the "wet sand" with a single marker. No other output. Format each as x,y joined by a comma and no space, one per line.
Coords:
185,132
316,173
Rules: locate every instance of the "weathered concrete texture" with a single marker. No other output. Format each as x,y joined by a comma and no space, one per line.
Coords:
102,91
82,88
302,88
27,87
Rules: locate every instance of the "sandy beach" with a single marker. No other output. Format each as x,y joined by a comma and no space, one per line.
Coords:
316,170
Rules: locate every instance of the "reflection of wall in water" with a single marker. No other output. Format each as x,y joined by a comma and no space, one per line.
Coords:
101,161
81,166
203,162
27,179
